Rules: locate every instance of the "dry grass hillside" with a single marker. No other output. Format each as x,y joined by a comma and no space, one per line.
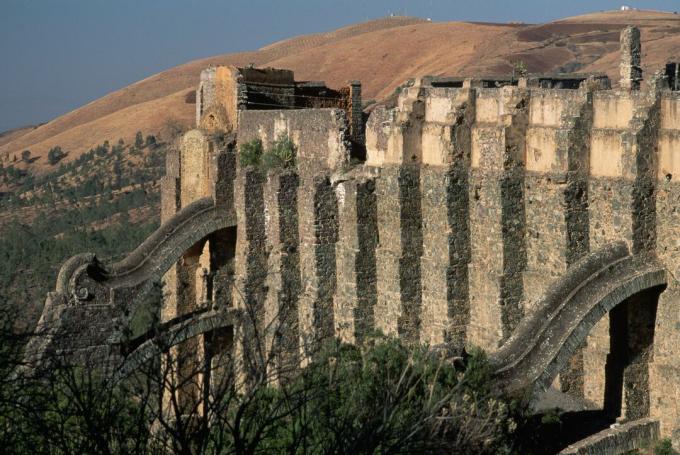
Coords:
381,53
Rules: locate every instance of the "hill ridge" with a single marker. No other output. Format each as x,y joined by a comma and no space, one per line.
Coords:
382,53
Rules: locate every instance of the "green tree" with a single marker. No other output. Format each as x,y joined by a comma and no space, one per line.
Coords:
55,155
664,447
151,140
389,398
139,140
26,156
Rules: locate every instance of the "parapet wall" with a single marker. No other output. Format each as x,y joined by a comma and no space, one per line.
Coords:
321,135
629,437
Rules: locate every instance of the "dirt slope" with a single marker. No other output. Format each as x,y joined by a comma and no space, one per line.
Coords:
381,53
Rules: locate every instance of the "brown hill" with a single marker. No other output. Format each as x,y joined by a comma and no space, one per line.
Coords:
381,53
10,135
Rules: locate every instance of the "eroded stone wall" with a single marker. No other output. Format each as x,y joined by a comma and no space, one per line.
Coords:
471,202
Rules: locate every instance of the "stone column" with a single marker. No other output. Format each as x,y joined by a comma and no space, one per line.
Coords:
356,259
283,268
170,204
318,220
446,254
630,66
497,215
398,255
446,149
399,306
664,374
347,249
388,306
556,192
622,192
250,272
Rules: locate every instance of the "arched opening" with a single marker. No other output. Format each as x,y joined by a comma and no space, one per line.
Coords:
218,343
631,339
198,364
625,375
609,289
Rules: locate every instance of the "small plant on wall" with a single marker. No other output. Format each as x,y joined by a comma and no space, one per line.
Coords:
251,153
281,154
519,69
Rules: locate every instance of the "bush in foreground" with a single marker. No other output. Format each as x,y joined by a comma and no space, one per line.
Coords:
379,398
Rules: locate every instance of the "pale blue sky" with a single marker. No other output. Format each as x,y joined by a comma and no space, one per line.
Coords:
60,54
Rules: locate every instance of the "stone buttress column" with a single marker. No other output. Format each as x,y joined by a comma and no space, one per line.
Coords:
556,198
218,287
622,192
497,215
190,175
318,223
398,254
664,374
170,204
449,116
398,310
356,258
251,271
283,268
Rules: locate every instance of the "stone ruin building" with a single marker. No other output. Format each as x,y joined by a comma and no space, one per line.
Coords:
537,217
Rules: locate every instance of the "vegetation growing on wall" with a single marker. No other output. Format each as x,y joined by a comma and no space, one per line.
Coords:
281,155
250,153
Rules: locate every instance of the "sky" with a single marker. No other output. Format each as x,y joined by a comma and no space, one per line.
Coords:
57,55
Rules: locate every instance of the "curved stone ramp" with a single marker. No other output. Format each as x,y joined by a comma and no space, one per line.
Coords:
90,297
544,341
173,334
151,259
623,438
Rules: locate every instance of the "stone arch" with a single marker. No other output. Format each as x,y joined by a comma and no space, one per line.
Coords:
161,340
84,282
544,341
150,260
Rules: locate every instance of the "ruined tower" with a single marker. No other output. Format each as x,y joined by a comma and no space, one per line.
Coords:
631,51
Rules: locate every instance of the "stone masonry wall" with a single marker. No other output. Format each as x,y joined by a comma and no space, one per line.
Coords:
664,373
471,203
558,141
